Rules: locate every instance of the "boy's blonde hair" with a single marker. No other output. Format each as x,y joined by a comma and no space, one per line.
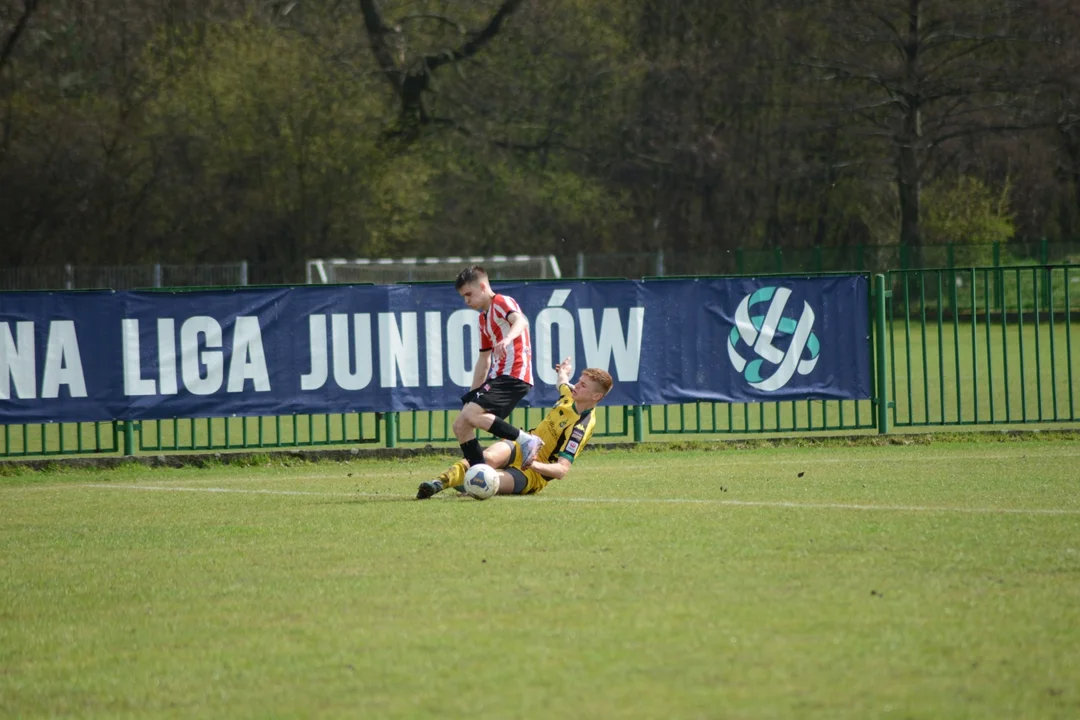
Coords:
600,377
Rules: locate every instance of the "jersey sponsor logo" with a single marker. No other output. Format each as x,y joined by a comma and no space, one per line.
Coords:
579,432
571,446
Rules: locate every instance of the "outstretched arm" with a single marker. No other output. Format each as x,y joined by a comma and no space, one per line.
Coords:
555,471
562,372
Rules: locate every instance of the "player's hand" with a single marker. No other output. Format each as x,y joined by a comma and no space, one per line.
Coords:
500,349
565,367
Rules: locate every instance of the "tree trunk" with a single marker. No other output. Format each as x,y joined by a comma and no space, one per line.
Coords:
909,170
910,192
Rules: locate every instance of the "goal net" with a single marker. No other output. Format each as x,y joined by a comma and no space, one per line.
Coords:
337,271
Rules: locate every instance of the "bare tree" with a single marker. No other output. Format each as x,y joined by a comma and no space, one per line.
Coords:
8,46
411,77
919,75
1057,57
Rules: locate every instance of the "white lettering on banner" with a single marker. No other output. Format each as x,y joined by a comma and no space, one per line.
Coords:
192,360
360,347
17,361
398,351
612,343
166,328
134,382
433,340
460,365
63,363
247,360
546,354
626,348
317,350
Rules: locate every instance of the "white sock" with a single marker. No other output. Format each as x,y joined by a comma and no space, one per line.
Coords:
522,436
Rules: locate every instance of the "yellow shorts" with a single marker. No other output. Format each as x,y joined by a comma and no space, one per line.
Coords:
526,482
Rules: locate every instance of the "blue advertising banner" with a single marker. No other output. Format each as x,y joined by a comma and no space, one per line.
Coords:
310,349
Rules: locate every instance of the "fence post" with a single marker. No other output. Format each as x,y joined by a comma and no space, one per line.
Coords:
879,352
157,275
999,277
391,429
244,272
639,424
659,263
580,265
1044,255
129,437
69,277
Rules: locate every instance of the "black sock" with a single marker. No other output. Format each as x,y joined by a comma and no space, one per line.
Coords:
472,452
501,428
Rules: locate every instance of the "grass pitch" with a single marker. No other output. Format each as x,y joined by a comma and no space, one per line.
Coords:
926,581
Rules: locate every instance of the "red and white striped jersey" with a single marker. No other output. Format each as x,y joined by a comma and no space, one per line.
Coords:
494,326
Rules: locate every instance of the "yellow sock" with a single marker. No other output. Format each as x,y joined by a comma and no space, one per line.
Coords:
455,476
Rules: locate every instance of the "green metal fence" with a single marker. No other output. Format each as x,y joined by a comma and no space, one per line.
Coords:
42,439
983,345
847,258
952,347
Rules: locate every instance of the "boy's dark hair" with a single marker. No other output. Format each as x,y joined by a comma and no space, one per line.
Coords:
470,275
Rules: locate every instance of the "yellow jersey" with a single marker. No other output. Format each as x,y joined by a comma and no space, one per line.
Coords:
564,430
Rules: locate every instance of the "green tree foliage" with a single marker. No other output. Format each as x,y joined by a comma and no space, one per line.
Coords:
964,210
283,145
217,130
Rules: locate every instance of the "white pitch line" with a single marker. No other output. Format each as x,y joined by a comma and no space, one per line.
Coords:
729,461
629,501
819,506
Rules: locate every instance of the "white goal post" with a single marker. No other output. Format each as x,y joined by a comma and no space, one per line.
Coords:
384,271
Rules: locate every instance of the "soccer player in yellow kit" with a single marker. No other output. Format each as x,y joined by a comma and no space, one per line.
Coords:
564,430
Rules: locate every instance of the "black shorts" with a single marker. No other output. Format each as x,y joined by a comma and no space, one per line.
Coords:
499,396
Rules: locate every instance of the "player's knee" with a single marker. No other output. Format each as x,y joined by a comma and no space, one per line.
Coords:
463,423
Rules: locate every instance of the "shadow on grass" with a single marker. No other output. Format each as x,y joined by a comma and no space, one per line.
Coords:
372,499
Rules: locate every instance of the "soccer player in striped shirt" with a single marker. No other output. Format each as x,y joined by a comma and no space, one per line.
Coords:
503,374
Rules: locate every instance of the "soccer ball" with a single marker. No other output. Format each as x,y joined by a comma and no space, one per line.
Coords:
481,482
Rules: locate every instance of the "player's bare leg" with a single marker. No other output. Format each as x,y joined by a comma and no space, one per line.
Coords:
473,417
506,483
497,456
